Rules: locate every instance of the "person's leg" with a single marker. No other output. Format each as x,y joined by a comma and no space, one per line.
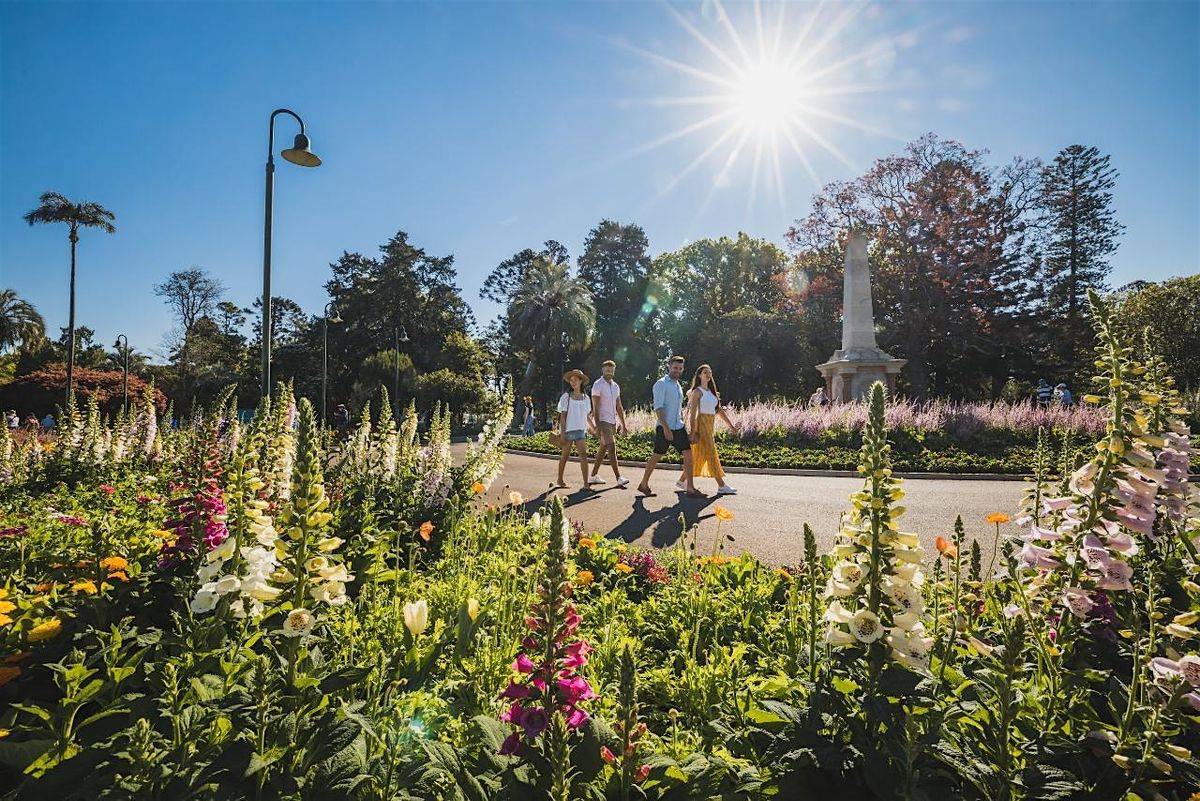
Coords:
562,460
644,487
600,451
687,471
581,449
612,456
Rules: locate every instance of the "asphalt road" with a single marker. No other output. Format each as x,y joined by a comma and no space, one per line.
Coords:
769,510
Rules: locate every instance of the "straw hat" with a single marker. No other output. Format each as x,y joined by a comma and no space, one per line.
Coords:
582,375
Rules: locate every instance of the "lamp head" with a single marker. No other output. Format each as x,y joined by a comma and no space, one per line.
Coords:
300,154
336,318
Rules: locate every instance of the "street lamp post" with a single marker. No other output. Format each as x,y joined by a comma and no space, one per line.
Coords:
325,355
299,154
400,335
125,385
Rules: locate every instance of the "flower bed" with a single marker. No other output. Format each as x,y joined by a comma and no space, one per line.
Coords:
938,437
228,612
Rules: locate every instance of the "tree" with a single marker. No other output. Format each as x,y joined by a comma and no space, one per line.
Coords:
54,208
1081,233
20,323
550,308
190,294
1170,314
40,391
616,267
948,261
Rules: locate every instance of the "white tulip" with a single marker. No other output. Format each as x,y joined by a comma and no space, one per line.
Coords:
416,617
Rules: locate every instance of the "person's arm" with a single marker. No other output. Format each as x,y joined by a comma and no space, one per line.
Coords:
563,406
725,417
621,416
594,414
693,410
660,402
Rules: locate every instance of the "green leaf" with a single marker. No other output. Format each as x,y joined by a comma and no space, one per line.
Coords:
341,679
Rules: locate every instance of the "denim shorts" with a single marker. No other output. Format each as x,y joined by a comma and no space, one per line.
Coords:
575,436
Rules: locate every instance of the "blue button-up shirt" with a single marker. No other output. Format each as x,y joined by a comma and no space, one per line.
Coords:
668,396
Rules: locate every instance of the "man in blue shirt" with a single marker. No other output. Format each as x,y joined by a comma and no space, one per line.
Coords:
670,431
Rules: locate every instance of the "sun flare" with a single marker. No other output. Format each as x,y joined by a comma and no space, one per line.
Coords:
768,95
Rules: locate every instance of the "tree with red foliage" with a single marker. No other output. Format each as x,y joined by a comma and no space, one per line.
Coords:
41,390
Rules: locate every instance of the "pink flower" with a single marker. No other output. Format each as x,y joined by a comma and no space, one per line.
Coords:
513,714
1036,556
511,744
575,689
107,489
1078,601
641,773
576,717
70,520
608,756
523,664
576,654
15,531
514,690
143,499
534,721
1116,576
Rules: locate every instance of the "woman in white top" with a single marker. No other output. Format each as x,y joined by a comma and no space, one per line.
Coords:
704,407
574,422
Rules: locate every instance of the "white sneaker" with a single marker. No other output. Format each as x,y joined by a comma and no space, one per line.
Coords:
726,490
596,480
681,486
622,482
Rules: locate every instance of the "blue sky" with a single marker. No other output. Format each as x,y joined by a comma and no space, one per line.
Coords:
483,128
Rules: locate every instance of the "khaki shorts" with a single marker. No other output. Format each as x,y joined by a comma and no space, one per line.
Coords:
607,432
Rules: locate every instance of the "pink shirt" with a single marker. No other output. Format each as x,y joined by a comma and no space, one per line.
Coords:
606,394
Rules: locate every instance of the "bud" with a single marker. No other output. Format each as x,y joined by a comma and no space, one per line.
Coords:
1123,762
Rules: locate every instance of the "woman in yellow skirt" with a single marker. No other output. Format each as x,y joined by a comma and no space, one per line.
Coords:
704,407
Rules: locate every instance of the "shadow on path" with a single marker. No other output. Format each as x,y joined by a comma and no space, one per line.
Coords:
665,522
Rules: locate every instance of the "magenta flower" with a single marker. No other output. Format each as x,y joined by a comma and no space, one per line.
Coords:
511,744
15,531
576,654
534,721
575,689
576,717
523,664
514,690
70,520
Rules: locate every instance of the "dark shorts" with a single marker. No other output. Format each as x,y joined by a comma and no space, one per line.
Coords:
679,441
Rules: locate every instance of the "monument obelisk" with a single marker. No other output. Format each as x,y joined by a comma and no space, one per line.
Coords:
851,371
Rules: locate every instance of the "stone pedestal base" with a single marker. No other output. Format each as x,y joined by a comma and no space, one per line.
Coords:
849,375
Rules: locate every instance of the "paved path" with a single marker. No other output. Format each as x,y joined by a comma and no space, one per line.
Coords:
769,510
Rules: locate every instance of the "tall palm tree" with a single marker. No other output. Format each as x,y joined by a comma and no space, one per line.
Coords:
55,208
549,307
20,323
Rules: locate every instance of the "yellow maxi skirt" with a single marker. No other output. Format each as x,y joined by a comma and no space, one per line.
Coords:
705,462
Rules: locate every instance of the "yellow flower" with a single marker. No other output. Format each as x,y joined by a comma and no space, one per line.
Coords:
162,534
1092,399
998,518
7,674
623,568
3,593
113,563
478,488
119,575
4,620
783,574
587,542
45,631
84,585
7,606
722,513
585,577
622,547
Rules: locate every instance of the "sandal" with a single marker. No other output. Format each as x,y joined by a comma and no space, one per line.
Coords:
696,494
649,493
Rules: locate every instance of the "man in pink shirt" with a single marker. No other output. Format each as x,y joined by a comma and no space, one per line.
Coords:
607,411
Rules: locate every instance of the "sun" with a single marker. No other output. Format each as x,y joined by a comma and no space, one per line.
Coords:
767,97
770,92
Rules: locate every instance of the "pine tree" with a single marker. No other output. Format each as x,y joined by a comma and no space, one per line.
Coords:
1081,233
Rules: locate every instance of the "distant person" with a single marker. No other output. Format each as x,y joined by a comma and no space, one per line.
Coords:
341,419
574,421
1044,393
1062,396
608,414
819,398
48,422
32,426
14,422
704,407
670,431
528,419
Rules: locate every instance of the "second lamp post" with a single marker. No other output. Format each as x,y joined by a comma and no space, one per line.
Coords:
336,318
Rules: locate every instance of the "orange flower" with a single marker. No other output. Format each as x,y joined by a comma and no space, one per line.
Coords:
587,542
722,513
85,585
425,530
7,674
998,518
45,586
44,631
478,488
946,548
119,575
585,578
621,567
113,563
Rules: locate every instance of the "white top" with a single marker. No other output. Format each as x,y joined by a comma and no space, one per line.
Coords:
708,402
606,392
577,411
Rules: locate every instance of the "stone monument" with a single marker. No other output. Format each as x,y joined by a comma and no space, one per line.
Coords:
851,371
